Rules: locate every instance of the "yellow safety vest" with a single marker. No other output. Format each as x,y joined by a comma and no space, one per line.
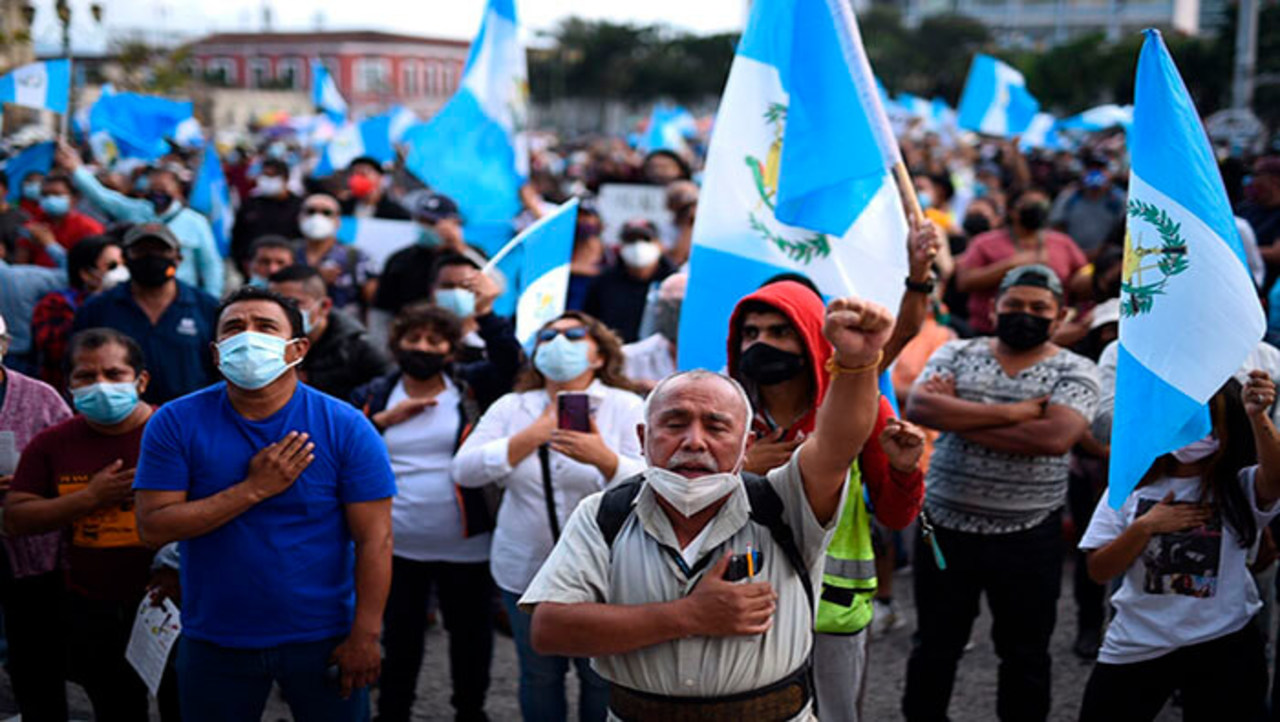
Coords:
849,572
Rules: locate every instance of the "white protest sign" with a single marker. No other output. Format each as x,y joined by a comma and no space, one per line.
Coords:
621,202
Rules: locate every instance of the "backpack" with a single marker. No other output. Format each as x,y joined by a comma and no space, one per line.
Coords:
766,510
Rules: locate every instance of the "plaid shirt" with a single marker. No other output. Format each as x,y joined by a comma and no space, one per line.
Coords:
51,334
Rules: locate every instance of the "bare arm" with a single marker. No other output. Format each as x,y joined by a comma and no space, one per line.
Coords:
858,331
1051,435
600,630
933,403
1110,561
986,278
167,516
359,656
924,244
1258,396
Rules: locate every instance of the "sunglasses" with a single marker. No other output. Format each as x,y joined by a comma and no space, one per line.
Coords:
577,333
318,212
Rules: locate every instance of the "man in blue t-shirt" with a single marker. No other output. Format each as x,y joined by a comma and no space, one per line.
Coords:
281,499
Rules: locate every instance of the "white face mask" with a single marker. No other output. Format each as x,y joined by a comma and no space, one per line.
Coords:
640,254
690,496
268,185
317,227
115,277
1197,450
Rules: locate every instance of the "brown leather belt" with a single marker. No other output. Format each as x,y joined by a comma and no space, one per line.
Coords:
778,702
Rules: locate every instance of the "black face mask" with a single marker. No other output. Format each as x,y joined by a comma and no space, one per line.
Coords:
420,365
1033,216
160,201
976,223
768,365
151,271
1022,331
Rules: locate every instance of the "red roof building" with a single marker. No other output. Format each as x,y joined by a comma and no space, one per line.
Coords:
374,70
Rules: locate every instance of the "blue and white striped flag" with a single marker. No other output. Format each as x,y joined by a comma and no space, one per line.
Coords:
995,100
1189,313
1102,117
1042,133
325,95
798,176
46,85
211,196
139,123
370,137
475,149
668,128
536,266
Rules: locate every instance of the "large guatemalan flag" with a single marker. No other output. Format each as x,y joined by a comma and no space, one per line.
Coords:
44,85
1189,313
475,150
995,100
325,95
798,176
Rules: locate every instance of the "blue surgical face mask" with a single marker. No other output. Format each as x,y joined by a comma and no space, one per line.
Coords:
428,237
252,360
55,205
562,360
257,282
307,324
106,403
31,191
461,302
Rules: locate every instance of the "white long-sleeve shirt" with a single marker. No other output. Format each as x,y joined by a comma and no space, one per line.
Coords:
522,540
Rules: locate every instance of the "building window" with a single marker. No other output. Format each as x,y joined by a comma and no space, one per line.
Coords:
259,73
410,79
220,72
447,79
433,78
289,74
373,75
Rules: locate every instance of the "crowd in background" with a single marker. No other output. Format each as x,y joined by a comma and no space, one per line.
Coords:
138,359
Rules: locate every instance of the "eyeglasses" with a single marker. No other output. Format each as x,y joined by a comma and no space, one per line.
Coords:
318,212
577,333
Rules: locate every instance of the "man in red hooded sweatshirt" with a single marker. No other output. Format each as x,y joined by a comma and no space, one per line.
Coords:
778,353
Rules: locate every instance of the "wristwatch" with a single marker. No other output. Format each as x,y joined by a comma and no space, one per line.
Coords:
920,286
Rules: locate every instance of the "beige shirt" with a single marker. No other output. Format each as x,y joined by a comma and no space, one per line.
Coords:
579,570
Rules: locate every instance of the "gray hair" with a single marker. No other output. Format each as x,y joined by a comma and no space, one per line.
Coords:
699,375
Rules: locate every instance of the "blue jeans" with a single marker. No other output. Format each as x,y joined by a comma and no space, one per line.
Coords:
220,683
542,697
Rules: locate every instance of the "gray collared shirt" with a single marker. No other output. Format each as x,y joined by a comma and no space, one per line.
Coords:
579,571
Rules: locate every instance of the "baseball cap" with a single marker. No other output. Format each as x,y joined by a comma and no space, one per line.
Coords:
433,207
1036,275
158,231
1106,312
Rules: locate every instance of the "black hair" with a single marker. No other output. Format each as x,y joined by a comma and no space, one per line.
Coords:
686,173
797,277
59,178
296,272
4,180
1220,481
276,165
269,241
451,258
91,339
364,160
425,315
84,255
255,293
942,183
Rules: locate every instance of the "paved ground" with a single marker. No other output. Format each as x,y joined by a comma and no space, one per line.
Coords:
973,701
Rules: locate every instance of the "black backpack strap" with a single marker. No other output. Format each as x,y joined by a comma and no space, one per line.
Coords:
615,507
548,491
766,510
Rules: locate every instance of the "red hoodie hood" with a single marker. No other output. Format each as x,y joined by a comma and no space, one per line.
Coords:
807,313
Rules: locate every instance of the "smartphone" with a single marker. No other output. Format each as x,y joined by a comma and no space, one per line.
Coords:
574,411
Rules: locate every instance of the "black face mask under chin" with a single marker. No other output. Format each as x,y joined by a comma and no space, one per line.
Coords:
768,365
1022,331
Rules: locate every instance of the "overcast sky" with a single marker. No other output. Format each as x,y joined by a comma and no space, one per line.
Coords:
443,18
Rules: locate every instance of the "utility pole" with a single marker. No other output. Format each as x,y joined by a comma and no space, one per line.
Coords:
1242,80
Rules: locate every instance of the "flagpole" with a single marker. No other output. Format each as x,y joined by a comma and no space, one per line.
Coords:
502,253
908,190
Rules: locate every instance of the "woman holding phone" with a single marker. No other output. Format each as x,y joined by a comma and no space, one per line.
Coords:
528,448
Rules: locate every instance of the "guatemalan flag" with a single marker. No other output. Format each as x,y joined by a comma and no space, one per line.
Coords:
210,196
37,158
668,128
475,150
1189,313
995,100
536,267
44,85
325,95
798,175
139,123
370,137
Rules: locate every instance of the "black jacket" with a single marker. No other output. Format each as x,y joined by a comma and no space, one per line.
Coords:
260,216
479,506
343,358
405,278
617,299
386,208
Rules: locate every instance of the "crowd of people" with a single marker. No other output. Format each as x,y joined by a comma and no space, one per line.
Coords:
314,454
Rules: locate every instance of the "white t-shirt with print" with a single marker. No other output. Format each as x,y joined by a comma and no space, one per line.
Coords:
1186,587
